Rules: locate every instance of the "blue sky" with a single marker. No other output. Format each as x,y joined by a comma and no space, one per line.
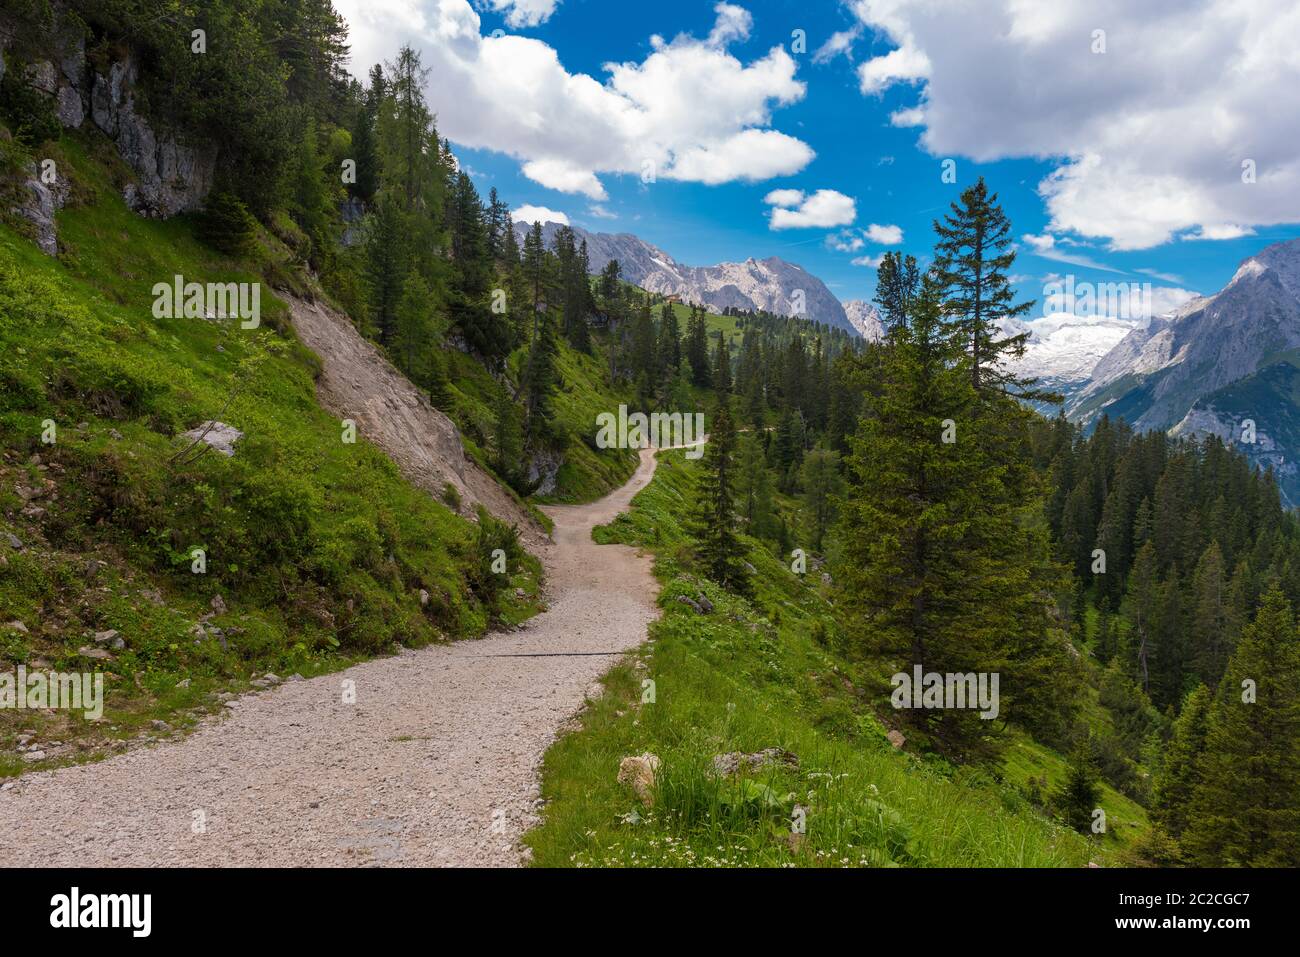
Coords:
1134,211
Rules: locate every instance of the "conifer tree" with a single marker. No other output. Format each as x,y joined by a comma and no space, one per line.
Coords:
697,348
720,551
1246,809
1180,775
1077,799
935,505
972,262
385,267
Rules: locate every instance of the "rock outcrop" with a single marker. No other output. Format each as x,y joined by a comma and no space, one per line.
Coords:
172,175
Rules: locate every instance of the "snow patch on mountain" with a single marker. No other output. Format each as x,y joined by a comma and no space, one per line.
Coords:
1065,348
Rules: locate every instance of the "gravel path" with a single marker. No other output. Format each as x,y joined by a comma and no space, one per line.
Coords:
435,764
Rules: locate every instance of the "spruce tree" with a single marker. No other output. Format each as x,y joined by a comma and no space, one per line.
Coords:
720,551
972,262
936,554
1180,776
1246,810
1077,798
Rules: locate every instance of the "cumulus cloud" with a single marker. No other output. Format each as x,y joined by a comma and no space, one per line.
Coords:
538,214
791,209
884,235
1151,136
524,13
871,262
690,110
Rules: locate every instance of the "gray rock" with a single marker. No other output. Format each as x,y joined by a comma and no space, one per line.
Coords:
34,756
103,637
14,541
736,761
43,77
692,602
218,605
183,684
99,654
172,177
70,109
40,201
18,626
219,436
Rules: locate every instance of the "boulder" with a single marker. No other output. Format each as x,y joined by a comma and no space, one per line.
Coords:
638,773
896,738
219,436
734,762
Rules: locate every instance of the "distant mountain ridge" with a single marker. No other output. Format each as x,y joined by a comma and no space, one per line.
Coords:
771,284
1224,364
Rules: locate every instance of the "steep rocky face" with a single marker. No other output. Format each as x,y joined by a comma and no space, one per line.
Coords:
1225,365
171,176
772,284
1155,374
865,318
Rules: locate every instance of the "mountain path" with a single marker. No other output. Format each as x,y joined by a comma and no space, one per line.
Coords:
436,763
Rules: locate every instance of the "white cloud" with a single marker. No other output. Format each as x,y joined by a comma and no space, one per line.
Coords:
824,208
1045,247
559,175
1150,135
845,241
600,212
840,42
904,64
871,262
538,214
690,110
1220,231
733,23
525,13
884,235
784,197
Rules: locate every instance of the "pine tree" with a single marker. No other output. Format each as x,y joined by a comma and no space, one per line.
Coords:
721,374
1077,799
720,551
1246,810
227,226
697,348
898,281
972,260
385,267
821,485
1180,776
926,518
1210,620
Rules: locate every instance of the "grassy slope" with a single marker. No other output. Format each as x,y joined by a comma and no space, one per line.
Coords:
318,548
587,473
752,676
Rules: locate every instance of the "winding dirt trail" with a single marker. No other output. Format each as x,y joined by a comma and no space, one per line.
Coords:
435,764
